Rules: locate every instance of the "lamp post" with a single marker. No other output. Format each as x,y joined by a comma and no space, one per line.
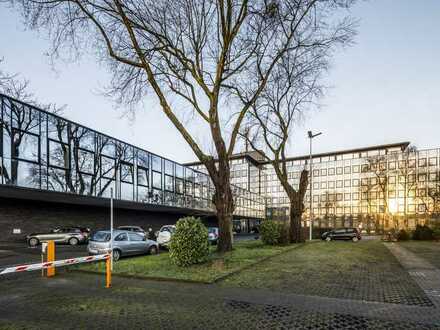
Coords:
311,136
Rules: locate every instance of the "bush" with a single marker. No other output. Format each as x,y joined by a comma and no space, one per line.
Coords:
270,232
436,233
423,233
189,244
403,235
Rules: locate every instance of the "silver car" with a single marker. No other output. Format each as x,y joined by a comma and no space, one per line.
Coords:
125,243
68,235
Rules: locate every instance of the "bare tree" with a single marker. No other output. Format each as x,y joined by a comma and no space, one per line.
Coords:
207,56
293,88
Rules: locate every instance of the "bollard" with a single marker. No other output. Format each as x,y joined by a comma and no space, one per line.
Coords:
108,272
50,257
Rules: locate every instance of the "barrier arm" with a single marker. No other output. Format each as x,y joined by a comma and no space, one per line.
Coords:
61,263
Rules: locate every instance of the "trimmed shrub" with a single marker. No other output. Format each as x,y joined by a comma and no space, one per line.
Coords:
270,232
403,235
189,244
423,233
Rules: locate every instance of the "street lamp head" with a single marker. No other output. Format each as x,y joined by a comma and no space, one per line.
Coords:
311,135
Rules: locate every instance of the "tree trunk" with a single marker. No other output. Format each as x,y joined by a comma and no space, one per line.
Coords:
224,204
222,199
295,230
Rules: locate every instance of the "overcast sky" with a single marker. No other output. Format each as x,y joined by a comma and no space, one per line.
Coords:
386,88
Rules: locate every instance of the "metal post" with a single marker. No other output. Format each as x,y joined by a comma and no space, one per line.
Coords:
311,191
111,229
50,258
108,272
311,136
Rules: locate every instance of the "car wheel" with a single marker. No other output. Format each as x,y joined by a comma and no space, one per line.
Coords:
116,255
33,242
73,241
153,250
355,239
328,238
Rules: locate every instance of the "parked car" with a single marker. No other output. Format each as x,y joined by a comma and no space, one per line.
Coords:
125,243
213,235
164,235
67,235
135,229
342,234
84,230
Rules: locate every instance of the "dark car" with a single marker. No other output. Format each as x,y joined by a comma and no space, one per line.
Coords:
342,234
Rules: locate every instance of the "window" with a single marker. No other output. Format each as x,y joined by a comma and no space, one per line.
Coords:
355,182
323,185
392,165
331,184
355,196
169,167
156,163
392,179
86,161
347,183
339,184
339,170
107,167
169,183
59,154
135,237
355,168
422,208
157,180
324,172
422,162
347,169
179,186
27,148
121,237
433,161
347,197
422,177
126,173
412,163
142,176
331,171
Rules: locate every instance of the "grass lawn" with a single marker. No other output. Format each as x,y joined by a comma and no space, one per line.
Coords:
428,250
245,253
364,271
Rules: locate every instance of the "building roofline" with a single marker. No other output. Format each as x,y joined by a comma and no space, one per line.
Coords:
402,145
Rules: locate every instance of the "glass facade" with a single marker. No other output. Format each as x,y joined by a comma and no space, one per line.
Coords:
40,150
384,187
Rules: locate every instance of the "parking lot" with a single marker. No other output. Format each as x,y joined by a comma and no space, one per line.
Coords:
16,253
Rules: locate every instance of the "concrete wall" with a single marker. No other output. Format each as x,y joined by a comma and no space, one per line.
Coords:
34,216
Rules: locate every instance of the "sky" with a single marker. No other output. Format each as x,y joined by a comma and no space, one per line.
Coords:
384,89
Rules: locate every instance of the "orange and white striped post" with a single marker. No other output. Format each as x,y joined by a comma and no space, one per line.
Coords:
50,258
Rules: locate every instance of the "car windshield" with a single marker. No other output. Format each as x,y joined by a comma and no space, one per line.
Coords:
212,230
101,236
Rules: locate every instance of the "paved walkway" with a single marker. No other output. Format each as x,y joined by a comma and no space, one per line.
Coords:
423,272
79,301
